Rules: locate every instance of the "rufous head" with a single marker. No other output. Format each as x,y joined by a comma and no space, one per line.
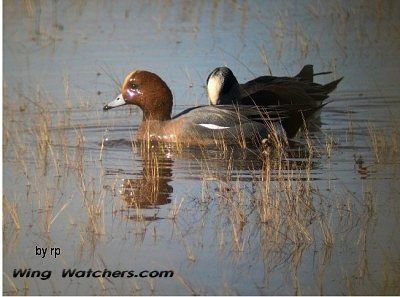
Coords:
148,91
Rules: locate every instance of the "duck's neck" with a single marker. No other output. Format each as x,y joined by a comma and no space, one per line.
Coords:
156,116
232,96
159,108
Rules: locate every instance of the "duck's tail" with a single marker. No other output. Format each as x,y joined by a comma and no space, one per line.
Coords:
329,87
320,92
306,73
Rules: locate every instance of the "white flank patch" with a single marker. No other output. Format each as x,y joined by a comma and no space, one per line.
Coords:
213,127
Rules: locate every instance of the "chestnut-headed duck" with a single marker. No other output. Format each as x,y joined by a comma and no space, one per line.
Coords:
299,92
201,125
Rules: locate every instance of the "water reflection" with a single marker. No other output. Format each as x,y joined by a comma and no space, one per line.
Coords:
146,193
158,160
151,187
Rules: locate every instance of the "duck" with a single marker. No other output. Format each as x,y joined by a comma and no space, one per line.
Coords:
224,88
288,92
200,125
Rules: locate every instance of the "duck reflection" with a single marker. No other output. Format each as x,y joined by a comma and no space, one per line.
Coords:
144,192
151,188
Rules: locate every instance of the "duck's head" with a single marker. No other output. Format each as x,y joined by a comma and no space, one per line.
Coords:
222,87
148,91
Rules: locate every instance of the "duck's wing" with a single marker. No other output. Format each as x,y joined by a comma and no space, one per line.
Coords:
231,115
306,74
250,120
230,123
267,91
278,91
186,111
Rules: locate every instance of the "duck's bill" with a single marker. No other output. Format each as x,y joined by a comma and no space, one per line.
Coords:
119,101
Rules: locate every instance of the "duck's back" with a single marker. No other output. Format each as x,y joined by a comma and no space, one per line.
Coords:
271,90
231,124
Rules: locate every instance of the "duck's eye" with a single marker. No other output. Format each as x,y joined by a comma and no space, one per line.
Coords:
133,87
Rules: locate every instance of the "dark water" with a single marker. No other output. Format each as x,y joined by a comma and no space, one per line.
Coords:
320,219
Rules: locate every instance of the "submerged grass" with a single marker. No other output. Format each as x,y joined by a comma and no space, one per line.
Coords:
385,145
10,211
